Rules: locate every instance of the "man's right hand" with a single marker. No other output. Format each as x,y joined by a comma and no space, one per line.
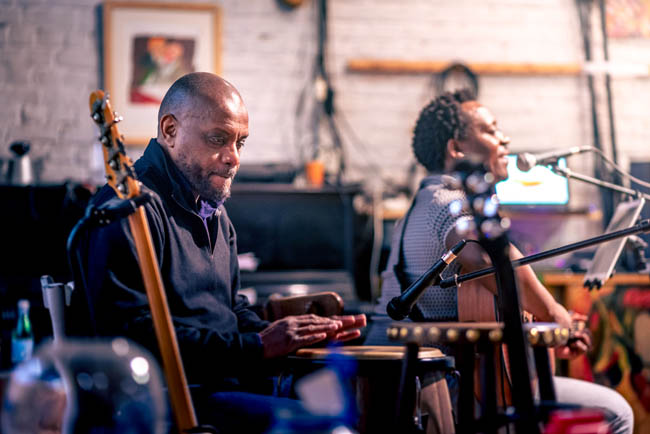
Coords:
286,335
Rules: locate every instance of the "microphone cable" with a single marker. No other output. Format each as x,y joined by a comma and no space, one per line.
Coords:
620,171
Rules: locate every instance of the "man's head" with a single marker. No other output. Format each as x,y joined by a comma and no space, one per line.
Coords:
455,126
203,123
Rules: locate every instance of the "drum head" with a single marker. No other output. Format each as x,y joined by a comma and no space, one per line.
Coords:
367,352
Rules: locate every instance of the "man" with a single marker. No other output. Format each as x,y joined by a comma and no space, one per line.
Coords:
452,127
188,169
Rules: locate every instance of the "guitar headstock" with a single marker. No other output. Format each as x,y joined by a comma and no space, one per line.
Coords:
481,201
119,167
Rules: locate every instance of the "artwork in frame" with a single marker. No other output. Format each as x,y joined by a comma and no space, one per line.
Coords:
147,46
628,18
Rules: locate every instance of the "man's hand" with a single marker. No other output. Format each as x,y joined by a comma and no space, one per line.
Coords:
288,334
580,342
350,329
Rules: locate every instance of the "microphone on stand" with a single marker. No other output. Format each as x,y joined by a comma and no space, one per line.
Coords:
526,161
400,307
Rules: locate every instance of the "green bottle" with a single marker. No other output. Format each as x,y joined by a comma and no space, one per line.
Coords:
22,337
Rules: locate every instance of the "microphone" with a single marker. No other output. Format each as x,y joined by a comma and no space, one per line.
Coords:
400,307
526,161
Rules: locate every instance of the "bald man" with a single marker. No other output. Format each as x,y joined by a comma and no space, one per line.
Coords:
189,169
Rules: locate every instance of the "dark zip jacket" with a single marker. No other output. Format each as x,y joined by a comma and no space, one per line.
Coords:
216,330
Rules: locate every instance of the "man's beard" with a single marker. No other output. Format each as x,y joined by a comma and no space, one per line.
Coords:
214,195
200,182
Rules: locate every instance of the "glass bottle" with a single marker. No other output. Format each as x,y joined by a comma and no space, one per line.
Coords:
22,337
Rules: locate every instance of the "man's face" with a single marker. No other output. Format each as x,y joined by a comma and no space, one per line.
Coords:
484,140
208,143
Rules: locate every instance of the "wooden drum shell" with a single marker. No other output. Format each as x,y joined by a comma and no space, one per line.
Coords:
377,381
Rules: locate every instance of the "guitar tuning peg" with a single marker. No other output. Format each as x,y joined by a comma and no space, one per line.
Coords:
491,206
465,227
495,227
116,120
505,223
457,207
476,183
491,228
478,204
97,117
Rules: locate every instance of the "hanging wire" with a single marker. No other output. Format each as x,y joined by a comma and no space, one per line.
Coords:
620,171
305,98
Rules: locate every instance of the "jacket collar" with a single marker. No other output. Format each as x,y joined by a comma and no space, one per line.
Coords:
169,177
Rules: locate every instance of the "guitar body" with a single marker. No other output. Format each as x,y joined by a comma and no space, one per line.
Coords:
477,304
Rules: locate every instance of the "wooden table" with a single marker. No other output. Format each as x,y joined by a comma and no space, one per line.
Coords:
574,296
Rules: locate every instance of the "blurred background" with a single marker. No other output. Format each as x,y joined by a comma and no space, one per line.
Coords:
340,82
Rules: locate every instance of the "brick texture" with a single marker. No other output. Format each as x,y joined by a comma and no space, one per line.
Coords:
49,62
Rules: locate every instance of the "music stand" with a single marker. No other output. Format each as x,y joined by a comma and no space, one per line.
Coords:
607,254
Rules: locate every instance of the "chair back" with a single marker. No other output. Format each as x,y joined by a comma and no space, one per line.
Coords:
322,303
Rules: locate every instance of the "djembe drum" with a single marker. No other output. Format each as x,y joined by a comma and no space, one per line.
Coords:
378,380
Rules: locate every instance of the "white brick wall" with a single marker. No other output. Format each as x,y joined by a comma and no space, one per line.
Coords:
49,64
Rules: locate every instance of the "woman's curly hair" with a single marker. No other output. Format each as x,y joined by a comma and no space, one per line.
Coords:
441,120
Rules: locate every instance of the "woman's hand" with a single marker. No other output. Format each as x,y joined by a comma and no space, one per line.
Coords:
579,342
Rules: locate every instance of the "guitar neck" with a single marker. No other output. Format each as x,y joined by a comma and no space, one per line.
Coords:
181,400
121,177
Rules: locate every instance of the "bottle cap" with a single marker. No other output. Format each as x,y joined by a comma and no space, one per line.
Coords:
23,305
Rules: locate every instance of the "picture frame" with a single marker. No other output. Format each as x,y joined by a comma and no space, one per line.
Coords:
147,46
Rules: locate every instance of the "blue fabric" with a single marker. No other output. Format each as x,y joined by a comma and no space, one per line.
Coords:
242,412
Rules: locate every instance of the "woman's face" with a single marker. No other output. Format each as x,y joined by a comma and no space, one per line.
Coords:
484,140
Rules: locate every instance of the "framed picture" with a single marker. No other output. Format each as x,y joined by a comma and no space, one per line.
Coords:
628,18
147,46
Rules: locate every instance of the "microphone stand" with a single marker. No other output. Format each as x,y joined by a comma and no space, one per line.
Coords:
642,226
568,173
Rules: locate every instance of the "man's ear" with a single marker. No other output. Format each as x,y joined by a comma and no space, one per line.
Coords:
168,129
453,149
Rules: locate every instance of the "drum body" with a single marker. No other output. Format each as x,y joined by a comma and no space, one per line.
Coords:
376,383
